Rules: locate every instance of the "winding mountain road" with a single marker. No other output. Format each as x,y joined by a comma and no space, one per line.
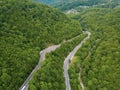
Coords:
69,58
42,58
66,62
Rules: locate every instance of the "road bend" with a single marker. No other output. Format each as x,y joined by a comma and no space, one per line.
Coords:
42,58
69,58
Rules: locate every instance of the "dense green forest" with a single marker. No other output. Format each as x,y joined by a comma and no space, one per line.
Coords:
99,58
50,75
75,4
78,4
53,2
26,28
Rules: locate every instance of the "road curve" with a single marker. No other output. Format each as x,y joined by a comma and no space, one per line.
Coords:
42,58
69,58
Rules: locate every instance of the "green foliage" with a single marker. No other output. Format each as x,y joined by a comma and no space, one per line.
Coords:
99,57
25,29
53,2
70,4
50,75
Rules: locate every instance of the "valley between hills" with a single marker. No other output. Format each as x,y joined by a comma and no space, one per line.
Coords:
42,47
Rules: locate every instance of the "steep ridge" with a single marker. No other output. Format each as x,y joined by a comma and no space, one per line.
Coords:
80,4
25,29
99,57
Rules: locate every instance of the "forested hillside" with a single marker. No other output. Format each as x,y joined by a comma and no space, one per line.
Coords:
25,29
98,61
87,4
75,4
51,2
50,75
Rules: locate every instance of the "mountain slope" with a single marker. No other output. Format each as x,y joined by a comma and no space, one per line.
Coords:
73,4
98,60
47,1
88,3
27,28
52,2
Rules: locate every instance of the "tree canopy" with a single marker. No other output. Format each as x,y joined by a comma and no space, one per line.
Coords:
99,57
26,28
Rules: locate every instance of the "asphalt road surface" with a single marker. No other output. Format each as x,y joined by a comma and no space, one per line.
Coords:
69,58
42,58
66,62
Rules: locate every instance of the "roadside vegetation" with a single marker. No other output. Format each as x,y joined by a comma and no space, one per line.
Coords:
50,75
25,29
99,57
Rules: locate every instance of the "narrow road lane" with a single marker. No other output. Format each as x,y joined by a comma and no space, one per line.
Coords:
69,58
42,58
